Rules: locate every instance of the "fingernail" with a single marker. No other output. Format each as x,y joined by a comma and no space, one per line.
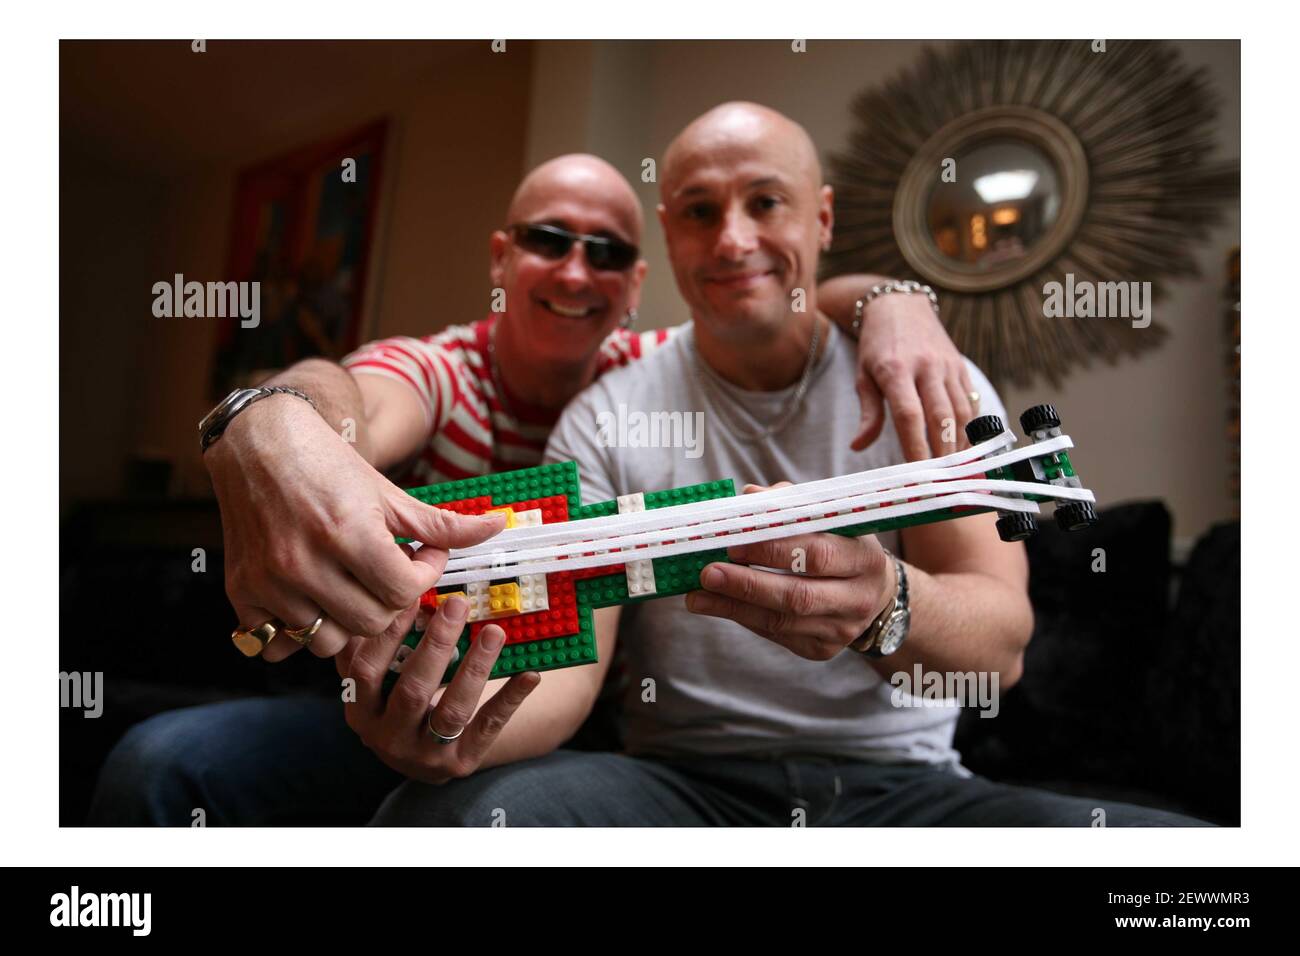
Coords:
712,577
492,638
455,609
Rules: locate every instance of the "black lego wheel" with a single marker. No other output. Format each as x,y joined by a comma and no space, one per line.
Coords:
1039,418
1017,526
983,428
1075,515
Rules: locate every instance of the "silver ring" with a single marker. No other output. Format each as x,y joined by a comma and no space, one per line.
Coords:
442,739
974,398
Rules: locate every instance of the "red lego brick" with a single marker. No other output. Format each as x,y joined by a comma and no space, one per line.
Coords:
467,506
596,572
560,620
554,508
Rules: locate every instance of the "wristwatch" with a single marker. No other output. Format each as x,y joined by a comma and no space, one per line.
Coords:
216,421
888,631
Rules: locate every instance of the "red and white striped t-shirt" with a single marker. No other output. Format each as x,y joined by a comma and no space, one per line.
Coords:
471,432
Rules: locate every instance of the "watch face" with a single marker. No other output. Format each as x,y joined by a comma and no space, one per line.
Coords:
895,631
225,406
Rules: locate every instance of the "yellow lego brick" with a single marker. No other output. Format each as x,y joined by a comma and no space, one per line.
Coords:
503,599
508,512
442,598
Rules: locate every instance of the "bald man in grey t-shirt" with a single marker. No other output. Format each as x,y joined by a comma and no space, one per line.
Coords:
718,689
747,701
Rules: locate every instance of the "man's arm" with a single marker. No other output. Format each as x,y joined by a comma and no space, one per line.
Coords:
969,597
904,354
309,522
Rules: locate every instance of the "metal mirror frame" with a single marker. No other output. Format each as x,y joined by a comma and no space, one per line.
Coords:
912,200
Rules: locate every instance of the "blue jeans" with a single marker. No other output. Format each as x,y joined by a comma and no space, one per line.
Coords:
266,761
283,761
567,788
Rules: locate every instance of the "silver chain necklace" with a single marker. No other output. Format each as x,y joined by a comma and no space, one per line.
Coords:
714,383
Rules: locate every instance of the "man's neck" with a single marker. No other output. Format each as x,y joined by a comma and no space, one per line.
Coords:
548,385
767,365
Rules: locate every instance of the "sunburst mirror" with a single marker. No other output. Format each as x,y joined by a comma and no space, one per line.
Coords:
994,168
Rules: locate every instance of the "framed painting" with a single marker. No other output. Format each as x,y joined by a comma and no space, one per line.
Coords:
303,229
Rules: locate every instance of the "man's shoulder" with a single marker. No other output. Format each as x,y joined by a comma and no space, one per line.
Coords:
649,372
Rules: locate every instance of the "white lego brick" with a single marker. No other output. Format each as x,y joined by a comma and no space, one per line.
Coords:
532,518
640,574
532,593
477,594
631,504
640,578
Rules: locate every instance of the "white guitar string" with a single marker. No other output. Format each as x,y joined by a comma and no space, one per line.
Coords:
959,499
862,504
581,531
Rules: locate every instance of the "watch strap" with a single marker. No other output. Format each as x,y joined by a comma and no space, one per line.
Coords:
212,428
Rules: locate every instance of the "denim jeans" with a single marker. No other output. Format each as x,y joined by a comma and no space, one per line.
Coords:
269,761
285,761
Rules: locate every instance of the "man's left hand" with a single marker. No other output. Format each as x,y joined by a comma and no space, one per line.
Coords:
905,355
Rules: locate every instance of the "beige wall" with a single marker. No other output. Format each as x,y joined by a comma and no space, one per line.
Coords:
140,201
1148,428
134,383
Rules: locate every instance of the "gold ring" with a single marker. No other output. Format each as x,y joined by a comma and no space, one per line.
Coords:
251,641
304,635
974,398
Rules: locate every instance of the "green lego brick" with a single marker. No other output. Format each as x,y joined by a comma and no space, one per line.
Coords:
681,573
601,509
551,654
548,655
1057,466
706,491
603,591
908,521
505,487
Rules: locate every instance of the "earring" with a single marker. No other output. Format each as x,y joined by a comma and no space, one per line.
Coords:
630,319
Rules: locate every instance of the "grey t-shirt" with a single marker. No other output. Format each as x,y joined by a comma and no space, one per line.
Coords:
718,687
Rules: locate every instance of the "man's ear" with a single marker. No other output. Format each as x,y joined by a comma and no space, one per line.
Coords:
826,216
498,246
635,283
662,213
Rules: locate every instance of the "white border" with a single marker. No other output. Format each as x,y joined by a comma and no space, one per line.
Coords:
28,797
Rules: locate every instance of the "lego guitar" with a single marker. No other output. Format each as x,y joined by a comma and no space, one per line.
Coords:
558,560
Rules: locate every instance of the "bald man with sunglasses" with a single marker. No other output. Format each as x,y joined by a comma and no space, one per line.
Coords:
310,519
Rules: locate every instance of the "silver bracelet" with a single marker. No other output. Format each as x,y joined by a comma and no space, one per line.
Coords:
905,286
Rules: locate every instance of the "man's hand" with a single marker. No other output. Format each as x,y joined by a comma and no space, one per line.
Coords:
398,729
309,526
905,354
841,586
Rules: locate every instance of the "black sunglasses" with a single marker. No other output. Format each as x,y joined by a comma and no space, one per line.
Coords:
552,242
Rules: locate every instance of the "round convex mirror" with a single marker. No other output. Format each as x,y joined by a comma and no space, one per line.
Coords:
990,198
1004,202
